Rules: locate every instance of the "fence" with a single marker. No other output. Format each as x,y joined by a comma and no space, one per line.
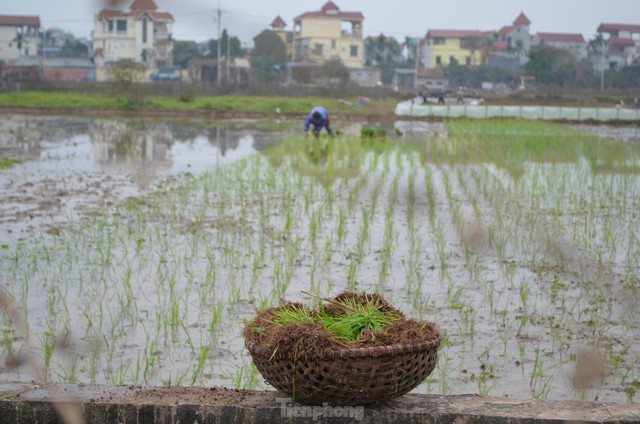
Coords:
552,113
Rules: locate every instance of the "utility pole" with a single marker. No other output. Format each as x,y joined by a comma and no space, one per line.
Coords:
602,44
218,64
415,80
43,46
228,59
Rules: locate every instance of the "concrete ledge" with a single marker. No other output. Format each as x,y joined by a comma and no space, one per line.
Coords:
29,403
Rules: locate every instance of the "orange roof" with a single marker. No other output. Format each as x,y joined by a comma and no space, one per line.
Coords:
561,37
137,14
19,20
522,20
431,72
621,42
506,29
331,10
330,6
144,5
618,27
278,22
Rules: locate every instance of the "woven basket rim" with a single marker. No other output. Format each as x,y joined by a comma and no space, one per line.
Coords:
359,352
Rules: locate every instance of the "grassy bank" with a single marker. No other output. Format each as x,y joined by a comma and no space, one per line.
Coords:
251,104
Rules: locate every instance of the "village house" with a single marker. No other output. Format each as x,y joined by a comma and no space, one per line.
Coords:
622,44
574,43
278,25
329,33
141,34
444,47
19,36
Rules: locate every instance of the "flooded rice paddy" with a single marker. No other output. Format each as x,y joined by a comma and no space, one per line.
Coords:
133,249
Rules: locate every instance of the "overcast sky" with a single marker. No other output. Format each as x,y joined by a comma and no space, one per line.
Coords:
195,19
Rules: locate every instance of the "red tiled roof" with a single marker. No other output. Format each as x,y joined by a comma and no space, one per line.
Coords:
278,22
618,27
453,33
144,5
137,14
107,13
506,29
330,6
156,16
621,42
331,10
19,20
431,73
352,16
561,37
522,20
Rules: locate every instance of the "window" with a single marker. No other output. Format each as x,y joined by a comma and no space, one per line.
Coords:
333,44
144,30
354,51
452,60
318,49
110,26
438,40
438,60
468,60
121,26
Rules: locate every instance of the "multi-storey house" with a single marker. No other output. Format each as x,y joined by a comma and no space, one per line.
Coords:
19,36
141,34
445,47
574,43
329,33
622,45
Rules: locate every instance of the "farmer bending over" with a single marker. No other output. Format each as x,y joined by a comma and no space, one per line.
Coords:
319,118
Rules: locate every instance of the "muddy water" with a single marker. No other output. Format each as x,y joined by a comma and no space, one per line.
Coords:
517,326
71,166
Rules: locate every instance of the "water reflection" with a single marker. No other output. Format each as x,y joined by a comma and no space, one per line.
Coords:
108,144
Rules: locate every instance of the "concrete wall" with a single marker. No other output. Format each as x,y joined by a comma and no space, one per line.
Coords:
72,404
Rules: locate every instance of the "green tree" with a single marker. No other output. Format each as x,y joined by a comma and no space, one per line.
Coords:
126,77
74,47
335,68
559,67
385,53
269,58
183,52
19,40
235,47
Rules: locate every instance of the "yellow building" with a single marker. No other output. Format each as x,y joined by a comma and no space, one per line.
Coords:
445,47
278,25
327,34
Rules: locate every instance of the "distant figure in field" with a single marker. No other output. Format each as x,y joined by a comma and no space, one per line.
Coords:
460,99
319,119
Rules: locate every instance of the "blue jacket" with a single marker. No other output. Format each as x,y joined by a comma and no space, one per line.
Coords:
324,117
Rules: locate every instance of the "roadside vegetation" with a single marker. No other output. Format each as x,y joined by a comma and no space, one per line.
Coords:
189,102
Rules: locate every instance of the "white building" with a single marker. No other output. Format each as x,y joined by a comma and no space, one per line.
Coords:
19,36
623,44
141,34
572,42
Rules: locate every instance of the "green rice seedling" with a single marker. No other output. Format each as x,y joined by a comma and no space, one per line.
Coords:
199,367
293,314
356,320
